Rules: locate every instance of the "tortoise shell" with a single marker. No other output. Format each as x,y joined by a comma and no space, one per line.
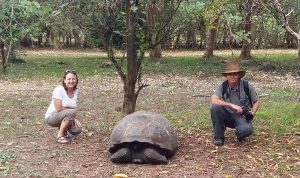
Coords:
144,127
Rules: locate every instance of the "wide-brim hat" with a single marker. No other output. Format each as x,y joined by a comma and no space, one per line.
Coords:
234,68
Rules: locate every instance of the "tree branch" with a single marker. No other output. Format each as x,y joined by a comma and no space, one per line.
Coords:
288,14
285,20
140,88
114,61
159,37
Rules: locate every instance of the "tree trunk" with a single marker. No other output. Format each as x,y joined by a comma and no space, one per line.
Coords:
299,49
224,39
247,45
40,40
175,42
155,53
289,41
210,42
77,38
56,43
48,38
249,30
5,54
152,13
129,85
67,41
3,57
70,38
190,38
26,42
85,43
211,39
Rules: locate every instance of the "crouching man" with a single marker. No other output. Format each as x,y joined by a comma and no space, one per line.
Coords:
234,104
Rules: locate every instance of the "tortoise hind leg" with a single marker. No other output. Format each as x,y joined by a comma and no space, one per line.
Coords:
123,155
154,157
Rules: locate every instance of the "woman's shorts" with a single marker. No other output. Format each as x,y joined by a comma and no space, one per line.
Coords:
56,118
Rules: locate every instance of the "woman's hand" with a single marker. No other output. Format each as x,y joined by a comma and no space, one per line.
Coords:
77,123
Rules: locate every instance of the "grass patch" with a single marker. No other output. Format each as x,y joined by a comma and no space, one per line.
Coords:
58,153
279,113
99,126
52,68
283,63
20,112
22,171
6,156
190,119
184,65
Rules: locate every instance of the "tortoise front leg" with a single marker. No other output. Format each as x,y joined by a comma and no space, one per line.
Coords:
154,157
123,155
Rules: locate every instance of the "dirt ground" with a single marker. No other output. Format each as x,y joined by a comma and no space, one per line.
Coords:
36,153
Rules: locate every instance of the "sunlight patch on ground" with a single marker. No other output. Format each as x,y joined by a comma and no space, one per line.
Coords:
166,53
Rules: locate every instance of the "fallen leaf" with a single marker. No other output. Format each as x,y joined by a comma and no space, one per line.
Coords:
90,134
214,151
38,123
3,168
228,176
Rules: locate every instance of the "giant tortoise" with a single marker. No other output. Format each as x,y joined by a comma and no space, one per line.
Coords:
142,137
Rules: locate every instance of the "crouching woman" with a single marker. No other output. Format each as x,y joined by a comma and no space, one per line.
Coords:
61,112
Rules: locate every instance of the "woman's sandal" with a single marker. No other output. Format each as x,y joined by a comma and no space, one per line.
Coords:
62,140
66,135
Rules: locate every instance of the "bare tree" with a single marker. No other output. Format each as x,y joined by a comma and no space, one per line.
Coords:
285,21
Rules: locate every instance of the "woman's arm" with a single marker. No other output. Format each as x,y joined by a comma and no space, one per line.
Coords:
58,105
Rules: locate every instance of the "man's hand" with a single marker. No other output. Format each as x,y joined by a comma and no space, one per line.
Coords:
216,100
238,109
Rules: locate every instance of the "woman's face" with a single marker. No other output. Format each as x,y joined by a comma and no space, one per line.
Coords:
70,80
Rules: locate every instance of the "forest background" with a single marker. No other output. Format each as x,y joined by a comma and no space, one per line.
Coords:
170,51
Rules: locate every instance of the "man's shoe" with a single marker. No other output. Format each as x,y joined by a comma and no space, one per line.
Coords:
219,142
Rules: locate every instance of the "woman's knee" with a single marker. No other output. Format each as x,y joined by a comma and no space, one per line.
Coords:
70,114
52,122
